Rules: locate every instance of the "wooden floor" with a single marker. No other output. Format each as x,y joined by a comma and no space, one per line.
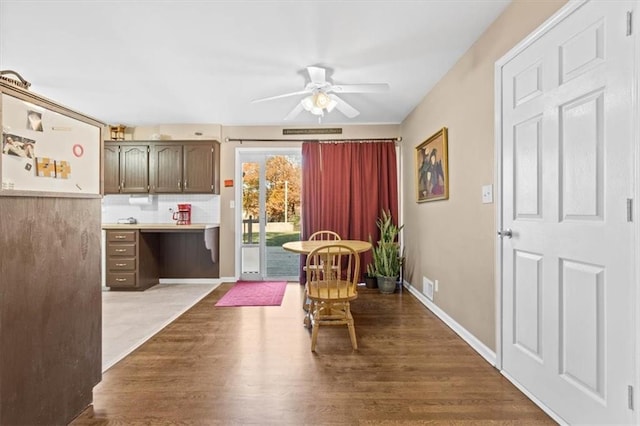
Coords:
253,365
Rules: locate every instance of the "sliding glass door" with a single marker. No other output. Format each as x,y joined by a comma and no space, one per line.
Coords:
269,214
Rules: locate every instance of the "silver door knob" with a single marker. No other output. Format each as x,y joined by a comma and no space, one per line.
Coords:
505,233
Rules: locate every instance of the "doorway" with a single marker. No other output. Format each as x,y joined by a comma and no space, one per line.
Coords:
269,212
567,177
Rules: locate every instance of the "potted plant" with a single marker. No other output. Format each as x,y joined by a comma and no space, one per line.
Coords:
386,254
370,277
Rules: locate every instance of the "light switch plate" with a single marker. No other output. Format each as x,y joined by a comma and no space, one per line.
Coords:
487,194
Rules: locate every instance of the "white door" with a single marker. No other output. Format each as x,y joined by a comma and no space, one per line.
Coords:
567,269
269,213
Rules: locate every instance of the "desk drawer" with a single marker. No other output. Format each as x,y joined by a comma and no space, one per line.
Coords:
128,250
122,236
124,264
121,279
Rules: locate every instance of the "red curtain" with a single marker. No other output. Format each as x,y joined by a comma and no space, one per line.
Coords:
345,186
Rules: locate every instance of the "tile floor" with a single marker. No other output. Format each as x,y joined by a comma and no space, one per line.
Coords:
130,318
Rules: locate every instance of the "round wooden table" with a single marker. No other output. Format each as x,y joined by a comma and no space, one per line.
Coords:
306,247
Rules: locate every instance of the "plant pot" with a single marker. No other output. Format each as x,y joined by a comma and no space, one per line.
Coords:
370,281
387,285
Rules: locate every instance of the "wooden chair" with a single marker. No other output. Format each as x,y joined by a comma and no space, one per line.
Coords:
333,288
320,236
314,268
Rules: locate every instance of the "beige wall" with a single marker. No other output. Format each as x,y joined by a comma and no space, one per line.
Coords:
454,241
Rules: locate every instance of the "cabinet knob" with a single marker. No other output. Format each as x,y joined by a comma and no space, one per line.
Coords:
120,250
120,280
120,237
121,264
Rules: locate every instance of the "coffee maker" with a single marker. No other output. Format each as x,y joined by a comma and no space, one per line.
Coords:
183,215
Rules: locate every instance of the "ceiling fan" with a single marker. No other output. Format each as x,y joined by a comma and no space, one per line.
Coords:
322,95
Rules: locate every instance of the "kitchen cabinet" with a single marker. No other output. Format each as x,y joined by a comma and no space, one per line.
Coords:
130,264
185,167
168,167
138,255
134,168
126,168
111,161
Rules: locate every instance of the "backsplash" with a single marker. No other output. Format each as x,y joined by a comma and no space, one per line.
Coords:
204,208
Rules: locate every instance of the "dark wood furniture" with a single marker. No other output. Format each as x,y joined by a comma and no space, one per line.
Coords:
126,168
167,167
130,264
138,256
50,297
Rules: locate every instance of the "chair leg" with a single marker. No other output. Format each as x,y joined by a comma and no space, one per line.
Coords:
352,329
309,313
314,336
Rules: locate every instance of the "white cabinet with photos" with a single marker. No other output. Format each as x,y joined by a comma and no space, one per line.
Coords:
47,150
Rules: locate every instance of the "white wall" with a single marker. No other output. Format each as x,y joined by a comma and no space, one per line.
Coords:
205,208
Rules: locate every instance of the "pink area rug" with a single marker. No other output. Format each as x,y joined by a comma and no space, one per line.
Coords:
254,293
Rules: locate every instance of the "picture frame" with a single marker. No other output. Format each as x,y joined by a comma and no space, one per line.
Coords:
432,170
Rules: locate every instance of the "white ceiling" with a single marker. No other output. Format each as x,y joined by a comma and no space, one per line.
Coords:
162,62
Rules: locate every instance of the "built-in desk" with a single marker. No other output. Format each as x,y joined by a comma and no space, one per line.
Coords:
137,256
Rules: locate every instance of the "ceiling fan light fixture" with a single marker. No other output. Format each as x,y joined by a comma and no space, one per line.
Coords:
321,100
311,104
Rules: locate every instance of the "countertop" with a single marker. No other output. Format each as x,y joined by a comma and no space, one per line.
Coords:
160,226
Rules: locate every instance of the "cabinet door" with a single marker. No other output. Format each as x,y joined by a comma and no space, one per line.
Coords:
111,169
166,168
198,168
134,168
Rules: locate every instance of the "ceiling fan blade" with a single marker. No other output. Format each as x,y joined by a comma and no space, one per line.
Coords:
285,95
295,111
344,107
360,88
317,75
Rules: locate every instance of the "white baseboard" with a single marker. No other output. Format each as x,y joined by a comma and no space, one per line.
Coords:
535,400
474,342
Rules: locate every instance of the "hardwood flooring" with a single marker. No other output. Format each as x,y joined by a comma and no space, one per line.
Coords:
253,365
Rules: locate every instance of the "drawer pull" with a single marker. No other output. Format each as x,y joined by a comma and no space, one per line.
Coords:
121,280
120,250
121,264
120,237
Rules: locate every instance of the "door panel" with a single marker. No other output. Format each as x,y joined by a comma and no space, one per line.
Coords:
270,207
166,168
198,168
134,168
567,172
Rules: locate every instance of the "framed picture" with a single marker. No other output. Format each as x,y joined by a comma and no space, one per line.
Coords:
432,173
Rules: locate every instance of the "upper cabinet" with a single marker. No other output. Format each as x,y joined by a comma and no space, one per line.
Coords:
200,168
163,167
166,168
134,168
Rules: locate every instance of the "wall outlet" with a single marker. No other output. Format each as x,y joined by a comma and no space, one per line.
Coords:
427,287
436,286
